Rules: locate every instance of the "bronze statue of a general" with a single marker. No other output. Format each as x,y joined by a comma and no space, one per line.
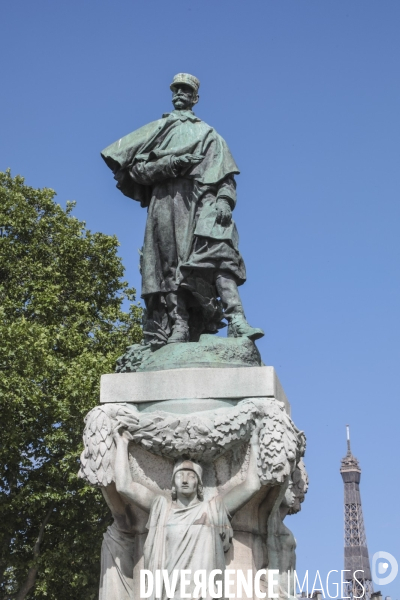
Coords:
182,171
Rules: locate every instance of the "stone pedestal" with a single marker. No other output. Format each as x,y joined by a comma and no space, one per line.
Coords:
206,414
192,389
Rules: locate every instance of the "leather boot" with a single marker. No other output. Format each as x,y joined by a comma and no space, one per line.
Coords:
239,327
233,309
179,317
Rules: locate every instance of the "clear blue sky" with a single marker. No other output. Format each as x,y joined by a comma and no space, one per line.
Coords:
307,95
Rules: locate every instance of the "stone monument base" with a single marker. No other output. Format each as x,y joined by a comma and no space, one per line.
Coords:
206,413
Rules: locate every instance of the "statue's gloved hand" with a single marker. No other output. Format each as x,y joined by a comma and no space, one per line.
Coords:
186,160
224,212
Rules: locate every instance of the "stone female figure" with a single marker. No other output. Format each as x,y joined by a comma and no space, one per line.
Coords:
186,532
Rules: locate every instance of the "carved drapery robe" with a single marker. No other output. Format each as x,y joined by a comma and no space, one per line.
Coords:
117,555
195,538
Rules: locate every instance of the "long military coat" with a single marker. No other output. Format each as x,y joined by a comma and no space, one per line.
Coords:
182,236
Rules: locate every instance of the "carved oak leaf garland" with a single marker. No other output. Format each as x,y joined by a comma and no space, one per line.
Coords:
202,437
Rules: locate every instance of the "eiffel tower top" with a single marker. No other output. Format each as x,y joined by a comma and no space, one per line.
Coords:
349,462
356,557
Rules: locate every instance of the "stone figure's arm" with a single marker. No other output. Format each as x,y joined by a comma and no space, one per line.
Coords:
138,493
121,509
274,542
266,507
226,200
167,167
242,493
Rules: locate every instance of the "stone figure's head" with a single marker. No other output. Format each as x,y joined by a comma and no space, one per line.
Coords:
289,498
297,488
185,89
187,479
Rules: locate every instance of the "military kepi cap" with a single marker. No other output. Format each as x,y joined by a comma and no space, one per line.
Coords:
187,79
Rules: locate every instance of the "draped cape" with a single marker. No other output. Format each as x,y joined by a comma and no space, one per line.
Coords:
177,133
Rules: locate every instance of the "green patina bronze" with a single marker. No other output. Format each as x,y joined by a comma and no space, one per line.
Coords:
182,171
211,351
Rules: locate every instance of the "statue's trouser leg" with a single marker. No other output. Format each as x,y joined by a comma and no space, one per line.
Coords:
179,316
233,309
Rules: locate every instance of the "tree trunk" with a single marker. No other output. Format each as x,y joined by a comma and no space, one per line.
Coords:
11,478
32,573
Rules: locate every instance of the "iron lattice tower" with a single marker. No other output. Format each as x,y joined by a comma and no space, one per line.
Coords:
355,542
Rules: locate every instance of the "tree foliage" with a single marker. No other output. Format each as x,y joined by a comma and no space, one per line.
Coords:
62,325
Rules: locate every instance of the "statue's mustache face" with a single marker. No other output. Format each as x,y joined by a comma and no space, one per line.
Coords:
183,97
186,482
